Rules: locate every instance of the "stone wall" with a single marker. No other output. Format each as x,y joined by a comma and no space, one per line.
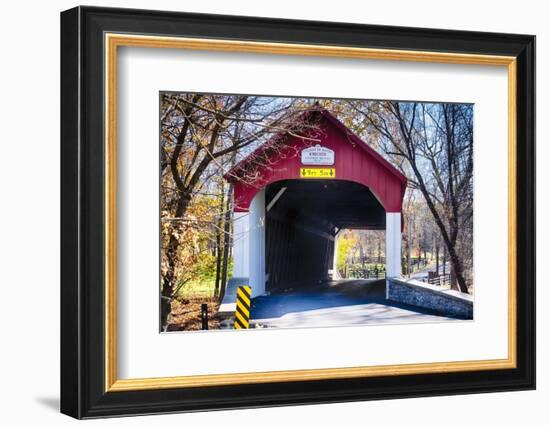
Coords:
444,301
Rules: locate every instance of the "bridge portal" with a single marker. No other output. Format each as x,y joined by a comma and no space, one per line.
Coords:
294,193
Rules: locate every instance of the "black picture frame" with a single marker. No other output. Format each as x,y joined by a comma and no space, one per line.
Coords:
83,392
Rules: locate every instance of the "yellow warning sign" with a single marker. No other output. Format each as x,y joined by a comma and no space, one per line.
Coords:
318,173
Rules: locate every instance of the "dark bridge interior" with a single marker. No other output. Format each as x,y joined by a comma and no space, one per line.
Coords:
302,219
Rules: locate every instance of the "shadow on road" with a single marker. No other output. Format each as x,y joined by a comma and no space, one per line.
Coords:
331,295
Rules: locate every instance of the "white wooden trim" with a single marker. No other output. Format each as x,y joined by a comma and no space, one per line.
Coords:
241,245
275,198
257,244
393,244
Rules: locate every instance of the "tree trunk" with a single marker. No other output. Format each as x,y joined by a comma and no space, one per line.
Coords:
437,257
226,242
168,280
219,249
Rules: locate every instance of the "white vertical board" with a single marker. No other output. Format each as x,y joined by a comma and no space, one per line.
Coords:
241,245
257,244
393,244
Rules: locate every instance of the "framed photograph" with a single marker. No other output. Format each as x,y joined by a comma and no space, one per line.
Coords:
261,212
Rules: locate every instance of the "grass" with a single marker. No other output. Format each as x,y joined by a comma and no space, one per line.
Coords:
203,288
203,285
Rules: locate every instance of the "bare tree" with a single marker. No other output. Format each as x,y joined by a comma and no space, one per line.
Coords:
198,136
433,146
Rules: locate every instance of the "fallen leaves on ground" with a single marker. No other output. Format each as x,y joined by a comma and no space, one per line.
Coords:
186,314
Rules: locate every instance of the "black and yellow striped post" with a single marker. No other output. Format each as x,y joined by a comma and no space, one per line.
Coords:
242,313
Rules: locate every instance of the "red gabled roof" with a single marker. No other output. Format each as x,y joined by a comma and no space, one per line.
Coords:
354,161
352,137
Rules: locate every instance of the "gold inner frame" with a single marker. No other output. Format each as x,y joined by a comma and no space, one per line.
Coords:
113,41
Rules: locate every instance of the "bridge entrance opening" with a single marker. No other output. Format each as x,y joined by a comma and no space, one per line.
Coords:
303,221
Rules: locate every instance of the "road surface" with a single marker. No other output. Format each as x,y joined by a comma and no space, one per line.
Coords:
336,303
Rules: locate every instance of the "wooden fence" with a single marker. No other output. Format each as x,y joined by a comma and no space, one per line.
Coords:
438,279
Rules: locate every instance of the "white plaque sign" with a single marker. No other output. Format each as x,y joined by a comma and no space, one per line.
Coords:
317,155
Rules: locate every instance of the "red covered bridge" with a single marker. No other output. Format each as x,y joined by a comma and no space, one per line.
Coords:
294,194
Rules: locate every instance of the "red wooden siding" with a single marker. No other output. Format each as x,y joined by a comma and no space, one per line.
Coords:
354,161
